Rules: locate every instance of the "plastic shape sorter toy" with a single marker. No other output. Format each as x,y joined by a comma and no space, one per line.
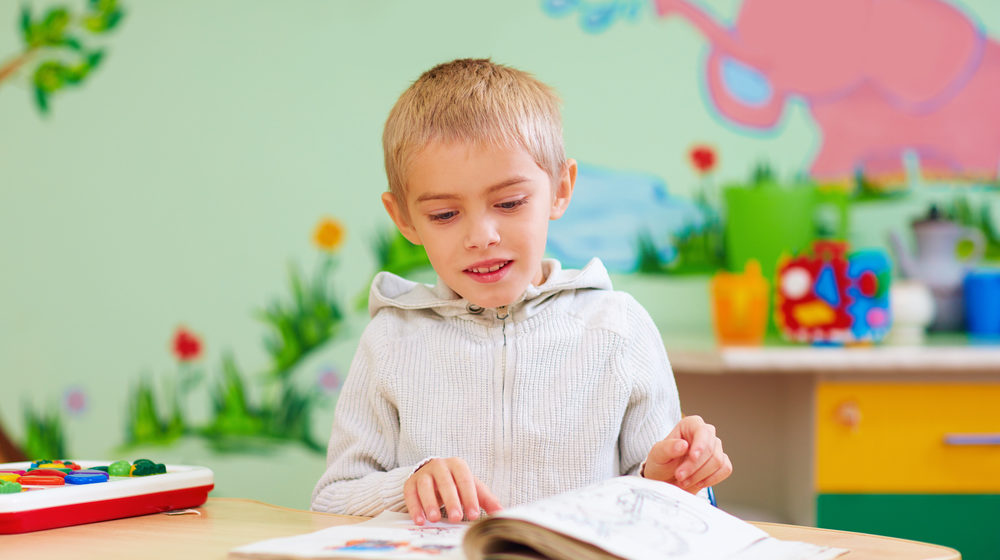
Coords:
42,502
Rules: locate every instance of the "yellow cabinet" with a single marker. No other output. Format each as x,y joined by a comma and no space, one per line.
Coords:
907,437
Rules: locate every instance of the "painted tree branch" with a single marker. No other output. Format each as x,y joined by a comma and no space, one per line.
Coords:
10,67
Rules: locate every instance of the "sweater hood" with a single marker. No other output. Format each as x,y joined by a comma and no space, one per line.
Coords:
390,290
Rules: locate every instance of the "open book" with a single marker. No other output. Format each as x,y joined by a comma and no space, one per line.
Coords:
624,517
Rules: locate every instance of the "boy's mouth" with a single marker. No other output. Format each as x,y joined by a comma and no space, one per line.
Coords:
488,271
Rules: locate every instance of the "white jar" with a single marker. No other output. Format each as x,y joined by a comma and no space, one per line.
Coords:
911,305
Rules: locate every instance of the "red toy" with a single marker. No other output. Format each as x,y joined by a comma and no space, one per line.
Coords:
87,493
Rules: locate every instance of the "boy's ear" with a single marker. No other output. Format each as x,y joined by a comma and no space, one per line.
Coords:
400,218
563,190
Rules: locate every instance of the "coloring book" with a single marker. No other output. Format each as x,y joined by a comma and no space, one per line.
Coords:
624,517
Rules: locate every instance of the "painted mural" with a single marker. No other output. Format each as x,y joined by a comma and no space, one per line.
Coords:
880,78
634,224
250,411
60,47
898,92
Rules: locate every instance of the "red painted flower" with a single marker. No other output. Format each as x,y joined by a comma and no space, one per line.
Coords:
187,345
703,158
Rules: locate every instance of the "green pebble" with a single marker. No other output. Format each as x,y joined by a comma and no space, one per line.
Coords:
102,468
120,468
7,487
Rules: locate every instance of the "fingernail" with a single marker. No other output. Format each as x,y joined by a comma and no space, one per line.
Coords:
472,515
679,475
695,453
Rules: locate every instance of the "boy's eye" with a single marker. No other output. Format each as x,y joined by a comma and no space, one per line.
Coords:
511,204
443,216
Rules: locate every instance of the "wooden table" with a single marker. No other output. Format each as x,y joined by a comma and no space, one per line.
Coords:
225,523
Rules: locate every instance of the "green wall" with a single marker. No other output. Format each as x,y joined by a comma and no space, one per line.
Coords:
177,185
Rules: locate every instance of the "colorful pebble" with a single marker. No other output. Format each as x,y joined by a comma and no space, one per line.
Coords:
120,468
41,480
54,464
145,467
103,469
7,487
18,472
49,472
84,477
9,477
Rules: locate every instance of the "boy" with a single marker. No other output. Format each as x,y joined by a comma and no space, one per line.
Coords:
511,379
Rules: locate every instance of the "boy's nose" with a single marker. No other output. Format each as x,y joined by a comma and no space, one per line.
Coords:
482,234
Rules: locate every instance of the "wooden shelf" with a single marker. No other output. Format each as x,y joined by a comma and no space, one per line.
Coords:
887,360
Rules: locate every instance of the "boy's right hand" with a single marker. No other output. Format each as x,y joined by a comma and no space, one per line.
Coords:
450,483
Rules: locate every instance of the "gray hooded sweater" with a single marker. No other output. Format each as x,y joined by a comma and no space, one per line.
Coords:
567,386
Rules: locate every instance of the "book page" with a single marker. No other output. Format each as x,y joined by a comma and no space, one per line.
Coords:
640,519
390,535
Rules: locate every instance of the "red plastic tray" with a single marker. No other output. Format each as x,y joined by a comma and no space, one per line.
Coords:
48,507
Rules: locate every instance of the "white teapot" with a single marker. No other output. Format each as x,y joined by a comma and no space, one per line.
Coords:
938,265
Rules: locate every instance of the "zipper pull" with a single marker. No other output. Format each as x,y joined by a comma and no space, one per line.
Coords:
502,312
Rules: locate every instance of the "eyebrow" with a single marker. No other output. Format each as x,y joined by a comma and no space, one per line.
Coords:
501,185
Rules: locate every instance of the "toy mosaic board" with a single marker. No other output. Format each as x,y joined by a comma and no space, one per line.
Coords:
58,493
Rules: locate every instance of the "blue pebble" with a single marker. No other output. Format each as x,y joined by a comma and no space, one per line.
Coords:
83,477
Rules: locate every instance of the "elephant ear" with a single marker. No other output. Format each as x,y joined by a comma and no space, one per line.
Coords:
920,52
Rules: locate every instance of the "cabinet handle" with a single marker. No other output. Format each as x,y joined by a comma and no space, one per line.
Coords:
848,414
972,439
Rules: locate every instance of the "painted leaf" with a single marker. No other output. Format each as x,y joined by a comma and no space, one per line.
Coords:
26,24
42,100
72,43
95,58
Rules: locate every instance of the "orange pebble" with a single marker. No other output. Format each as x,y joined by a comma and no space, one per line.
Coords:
41,480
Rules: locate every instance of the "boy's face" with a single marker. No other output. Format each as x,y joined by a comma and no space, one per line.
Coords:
482,214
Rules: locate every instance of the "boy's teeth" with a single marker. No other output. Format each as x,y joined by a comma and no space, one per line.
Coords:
493,268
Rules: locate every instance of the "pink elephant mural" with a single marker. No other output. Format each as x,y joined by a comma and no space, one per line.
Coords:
879,77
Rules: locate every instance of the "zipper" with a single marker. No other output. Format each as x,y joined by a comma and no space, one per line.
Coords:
503,471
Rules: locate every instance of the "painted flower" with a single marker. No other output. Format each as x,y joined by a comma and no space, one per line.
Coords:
329,234
75,400
703,158
186,345
329,379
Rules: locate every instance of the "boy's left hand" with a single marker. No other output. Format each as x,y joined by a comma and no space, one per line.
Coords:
690,457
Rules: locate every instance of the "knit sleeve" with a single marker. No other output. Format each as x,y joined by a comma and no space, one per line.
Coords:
654,407
362,475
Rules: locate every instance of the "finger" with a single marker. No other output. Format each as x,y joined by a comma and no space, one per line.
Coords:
667,450
664,458
446,488
701,446
718,476
487,500
428,498
468,494
713,461
413,502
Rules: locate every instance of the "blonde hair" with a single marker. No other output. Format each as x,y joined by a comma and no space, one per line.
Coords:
475,101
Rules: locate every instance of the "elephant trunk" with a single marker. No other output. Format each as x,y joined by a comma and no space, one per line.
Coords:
720,37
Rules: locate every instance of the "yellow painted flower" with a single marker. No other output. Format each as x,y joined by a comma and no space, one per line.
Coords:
329,234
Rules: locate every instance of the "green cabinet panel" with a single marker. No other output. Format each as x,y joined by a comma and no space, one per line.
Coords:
969,523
